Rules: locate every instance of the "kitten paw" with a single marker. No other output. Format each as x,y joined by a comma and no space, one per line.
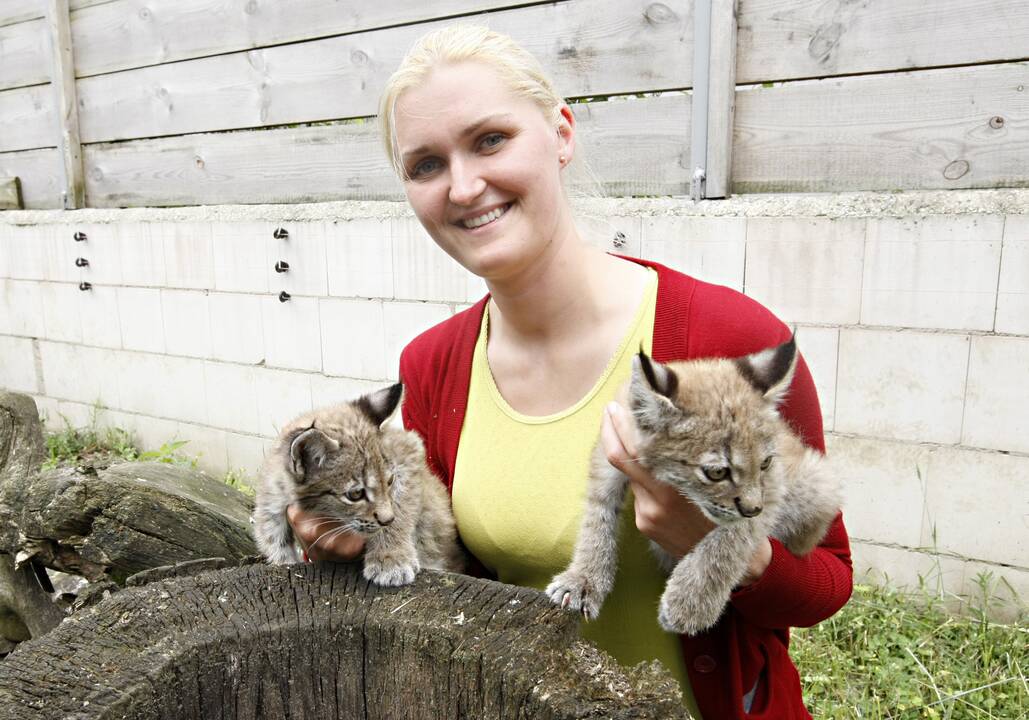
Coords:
391,574
574,590
685,618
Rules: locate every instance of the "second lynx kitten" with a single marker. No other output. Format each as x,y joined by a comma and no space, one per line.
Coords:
356,474
712,430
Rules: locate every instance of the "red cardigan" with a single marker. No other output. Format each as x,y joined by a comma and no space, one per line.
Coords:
693,319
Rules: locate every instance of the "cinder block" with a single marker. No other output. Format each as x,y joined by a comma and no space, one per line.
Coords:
326,391
102,248
61,252
978,505
617,234
79,373
1006,588
997,397
163,386
188,254
187,322
206,447
241,256
353,338
1013,293
476,290
820,347
244,453
141,319
18,365
80,415
49,415
901,385
27,247
806,269
153,433
232,397
359,258
101,324
21,308
422,271
292,333
141,251
884,485
709,249
304,252
5,250
62,311
403,322
237,332
910,570
933,272
281,396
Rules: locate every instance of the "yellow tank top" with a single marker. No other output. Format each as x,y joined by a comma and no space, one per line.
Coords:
519,487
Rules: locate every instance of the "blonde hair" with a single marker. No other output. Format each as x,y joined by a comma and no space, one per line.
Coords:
517,68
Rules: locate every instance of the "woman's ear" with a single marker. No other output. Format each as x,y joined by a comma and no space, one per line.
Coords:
566,135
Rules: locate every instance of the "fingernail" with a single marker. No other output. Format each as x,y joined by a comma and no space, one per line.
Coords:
613,408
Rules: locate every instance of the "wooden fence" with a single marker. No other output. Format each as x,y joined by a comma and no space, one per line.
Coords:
829,94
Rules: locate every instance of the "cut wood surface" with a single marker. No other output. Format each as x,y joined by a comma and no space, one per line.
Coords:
782,39
590,47
926,130
37,171
634,147
16,11
10,193
167,32
318,641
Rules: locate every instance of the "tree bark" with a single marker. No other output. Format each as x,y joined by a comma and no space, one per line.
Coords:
318,641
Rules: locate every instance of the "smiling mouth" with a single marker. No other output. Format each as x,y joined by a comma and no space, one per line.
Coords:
487,218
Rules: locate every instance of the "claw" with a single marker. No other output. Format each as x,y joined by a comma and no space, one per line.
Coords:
585,614
566,600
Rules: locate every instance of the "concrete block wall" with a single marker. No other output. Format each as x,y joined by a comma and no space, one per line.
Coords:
912,311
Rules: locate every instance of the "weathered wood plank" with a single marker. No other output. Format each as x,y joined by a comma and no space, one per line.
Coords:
633,146
25,55
65,104
27,118
149,35
10,193
38,176
781,39
591,47
721,96
16,11
924,130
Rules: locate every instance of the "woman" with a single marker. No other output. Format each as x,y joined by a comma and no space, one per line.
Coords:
509,394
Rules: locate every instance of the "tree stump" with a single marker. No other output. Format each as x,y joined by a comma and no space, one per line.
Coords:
319,641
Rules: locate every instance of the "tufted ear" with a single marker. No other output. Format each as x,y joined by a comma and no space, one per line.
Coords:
380,405
650,392
771,371
309,449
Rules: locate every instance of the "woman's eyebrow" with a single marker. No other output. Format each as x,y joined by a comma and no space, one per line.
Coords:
468,130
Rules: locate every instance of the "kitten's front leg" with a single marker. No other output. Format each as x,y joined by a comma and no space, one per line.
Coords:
390,557
591,574
699,587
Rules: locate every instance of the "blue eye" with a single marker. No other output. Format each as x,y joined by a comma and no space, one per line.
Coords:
492,140
425,167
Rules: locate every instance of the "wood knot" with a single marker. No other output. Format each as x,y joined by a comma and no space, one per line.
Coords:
996,122
659,14
251,7
145,14
956,169
824,42
358,57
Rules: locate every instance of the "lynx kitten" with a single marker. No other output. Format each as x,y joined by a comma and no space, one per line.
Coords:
711,429
343,464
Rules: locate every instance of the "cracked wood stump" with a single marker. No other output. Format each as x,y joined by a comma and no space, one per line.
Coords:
318,641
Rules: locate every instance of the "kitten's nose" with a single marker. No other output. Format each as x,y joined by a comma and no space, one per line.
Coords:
384,518
747,512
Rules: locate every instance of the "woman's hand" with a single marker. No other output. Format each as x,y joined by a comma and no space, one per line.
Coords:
319,541
662,513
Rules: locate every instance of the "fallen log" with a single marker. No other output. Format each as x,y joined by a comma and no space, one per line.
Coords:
319,641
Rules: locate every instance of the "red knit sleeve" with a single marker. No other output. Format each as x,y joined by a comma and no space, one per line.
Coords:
793,591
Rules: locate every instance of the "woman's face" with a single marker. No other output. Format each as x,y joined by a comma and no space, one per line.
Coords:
484,168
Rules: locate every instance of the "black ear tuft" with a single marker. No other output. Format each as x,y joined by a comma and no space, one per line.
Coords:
380,405
308,450
770,371
662,380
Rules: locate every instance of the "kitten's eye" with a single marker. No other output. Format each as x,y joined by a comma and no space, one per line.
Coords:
716,474
767,463
355,494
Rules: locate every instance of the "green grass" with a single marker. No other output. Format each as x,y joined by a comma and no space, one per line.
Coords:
890,654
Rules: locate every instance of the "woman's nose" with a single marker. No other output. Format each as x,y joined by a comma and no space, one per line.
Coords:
466,183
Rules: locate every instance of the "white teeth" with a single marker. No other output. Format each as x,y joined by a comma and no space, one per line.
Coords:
483,219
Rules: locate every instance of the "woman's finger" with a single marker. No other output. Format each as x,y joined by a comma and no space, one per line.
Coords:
321,538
